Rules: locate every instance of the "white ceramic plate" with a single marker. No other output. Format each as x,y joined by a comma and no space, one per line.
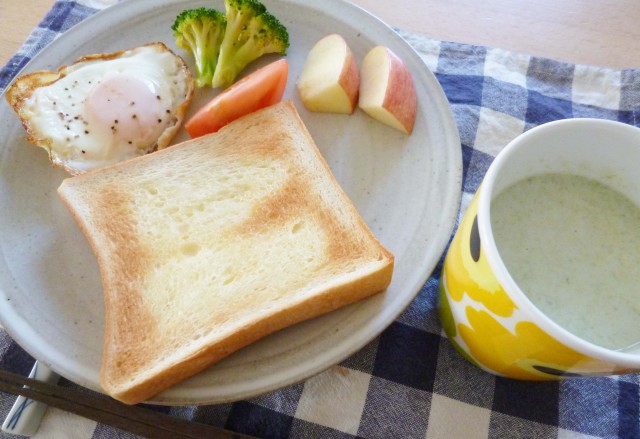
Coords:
406,188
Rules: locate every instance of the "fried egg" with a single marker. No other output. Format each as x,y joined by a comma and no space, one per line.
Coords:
104,108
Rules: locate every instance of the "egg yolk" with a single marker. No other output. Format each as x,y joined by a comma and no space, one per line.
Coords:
127,106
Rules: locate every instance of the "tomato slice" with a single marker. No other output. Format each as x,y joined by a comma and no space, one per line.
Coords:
257,90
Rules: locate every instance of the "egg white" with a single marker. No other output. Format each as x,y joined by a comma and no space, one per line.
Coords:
84,132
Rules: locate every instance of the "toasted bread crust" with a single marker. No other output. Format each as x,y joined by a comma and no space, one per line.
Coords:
327,301
313,236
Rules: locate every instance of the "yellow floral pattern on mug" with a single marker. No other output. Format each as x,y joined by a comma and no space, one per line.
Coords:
485,325
468,270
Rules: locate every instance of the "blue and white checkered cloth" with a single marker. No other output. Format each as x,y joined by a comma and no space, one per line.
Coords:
409,382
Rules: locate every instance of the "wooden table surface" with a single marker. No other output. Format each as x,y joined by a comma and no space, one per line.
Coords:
597,32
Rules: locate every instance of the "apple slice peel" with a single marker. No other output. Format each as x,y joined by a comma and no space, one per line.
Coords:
387,91
329,81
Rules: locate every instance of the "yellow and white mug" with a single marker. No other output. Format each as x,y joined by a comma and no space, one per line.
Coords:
485,313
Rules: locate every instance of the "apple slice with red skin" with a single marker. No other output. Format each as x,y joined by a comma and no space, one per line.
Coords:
387,91
330,81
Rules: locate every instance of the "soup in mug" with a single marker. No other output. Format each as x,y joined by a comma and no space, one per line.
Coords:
572,245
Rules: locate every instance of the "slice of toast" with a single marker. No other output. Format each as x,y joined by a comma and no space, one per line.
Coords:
212,244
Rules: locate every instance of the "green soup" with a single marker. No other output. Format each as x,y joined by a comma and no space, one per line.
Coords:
572,245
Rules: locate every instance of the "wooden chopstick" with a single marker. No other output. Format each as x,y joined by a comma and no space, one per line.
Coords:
135,419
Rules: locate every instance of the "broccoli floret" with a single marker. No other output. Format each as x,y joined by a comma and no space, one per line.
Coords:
251,32
201,31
